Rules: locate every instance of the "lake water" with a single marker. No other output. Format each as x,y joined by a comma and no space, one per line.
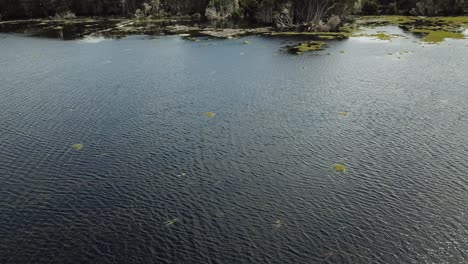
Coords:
159,181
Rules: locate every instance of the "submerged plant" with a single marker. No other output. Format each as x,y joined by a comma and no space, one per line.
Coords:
339,168
77,146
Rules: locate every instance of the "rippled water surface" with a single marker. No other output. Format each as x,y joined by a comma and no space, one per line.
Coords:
159,181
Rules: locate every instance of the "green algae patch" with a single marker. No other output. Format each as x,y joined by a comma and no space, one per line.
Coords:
210,114
343,113
339,168
77,146
437,36
308,46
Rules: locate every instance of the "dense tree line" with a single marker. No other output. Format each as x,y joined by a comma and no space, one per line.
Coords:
282,12
47,8
412,7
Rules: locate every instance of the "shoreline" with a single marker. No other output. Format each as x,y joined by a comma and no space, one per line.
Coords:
432,30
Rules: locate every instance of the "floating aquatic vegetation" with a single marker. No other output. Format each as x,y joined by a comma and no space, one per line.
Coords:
77,146
433,29
219,213
191,38
307,46
246,42
343,113
170,222
436,36
210,114
319,35
325,37
278,224
379,36
339,168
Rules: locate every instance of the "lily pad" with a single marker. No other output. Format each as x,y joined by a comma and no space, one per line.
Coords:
210,114
77,146
339,168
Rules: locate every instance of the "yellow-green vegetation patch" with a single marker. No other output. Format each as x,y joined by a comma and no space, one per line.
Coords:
351,29
433,29
385,20
210,114
343,113
436,36
380,36
308,46
77,146
339,168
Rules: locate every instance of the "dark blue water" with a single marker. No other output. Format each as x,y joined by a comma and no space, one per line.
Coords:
158,181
